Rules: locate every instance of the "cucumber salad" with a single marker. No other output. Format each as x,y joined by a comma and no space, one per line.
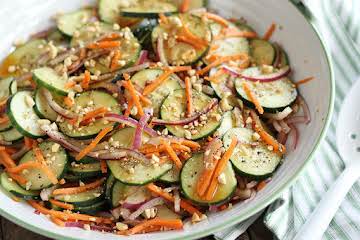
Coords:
138,116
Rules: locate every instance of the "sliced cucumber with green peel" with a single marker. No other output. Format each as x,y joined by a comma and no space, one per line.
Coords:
84,198
22,115
172,176
42,108
51,80
191,173
12,187
71,22
110,181
181,53
92,100
142,31
227,123
110,12
84,171
148,8
134,171
273,96
130,194
11,135
13,87
163,212
251,158
262,52
174,107
5,87
91,209
6,126
158,95
55,159
84,160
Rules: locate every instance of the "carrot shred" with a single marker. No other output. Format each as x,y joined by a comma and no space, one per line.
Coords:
216,18
130,87
4,119
156,83
252,98
232,32
104,44
111,36
191,144
37,165
188,92
63,205
185,5
219,169
11,150
261,185
184,204
144,99
86,80
40,158
103,166
28,142
92,114
163,18
303,81
270,32
156,149
205,179
6,159
221,60
215,78
68,101
57,221
68,216
167,223
115,60
172,154
190,41
184,156
94,142
69,84
18,178
80,189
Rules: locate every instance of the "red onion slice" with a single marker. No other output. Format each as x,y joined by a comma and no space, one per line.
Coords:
147,205
92,227
294,136
143,57
55,106
301,119
185,121
277,126
134,68
278,53
140,127
282,137
20,152
284,126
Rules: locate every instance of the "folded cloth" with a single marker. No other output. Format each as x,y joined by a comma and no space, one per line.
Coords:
338,22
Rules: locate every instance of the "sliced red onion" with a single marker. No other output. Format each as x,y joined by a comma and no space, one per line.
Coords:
140,127
60,138
280,115
277,126
296,120
294,136
305,108
61,57
92,227
278,53
46,193
213,208
42,34
134,68
132,206
147,205
283,72
251,184
282,137
112,117
117,154
284,126
55,106
185,121
143,57
37,212
177,201
24,149
161,51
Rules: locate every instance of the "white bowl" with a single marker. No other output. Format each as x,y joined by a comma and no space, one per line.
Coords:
20,18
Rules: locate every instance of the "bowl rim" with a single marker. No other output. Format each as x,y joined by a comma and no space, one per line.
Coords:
255,209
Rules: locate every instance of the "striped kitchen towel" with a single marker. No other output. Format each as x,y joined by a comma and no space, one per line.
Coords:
338,21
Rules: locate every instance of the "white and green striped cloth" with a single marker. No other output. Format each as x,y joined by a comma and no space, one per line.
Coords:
338,21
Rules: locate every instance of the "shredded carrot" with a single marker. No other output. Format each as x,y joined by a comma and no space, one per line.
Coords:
103,166
144,99
6,159
69,84
265,136
69,216
40,158
94,142
188,92
261,185
104,44
233,32
219,169
205,178
190,41
86,80
16,199
28,142
216,18
68,101
184,204
18,178
221,60
214,47
303,81
156,83
4,119
37,165
11,150
252,98
130,87
3,102
192,144
156,149
57,221
185,5
163,18
80,189
215,78
115,60
167,223
184,156
92,114
129,107
111,36
38,153
172,154
63,205
270,32
185,31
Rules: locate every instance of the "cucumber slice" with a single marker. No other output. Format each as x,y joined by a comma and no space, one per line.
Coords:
12,187
11,135
55,160
142,31
194,4
90,100
189,177
221,88
272,96
129,48
92,209
227,123
13,87
262,52
22,115
110,10
110,181
129,194
42,107
148,8
5,126
180,53
174,106
165,213
172,176
82,199
251,158
5,87
50,79
144,172
25,58
70,22
84,171
157,97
